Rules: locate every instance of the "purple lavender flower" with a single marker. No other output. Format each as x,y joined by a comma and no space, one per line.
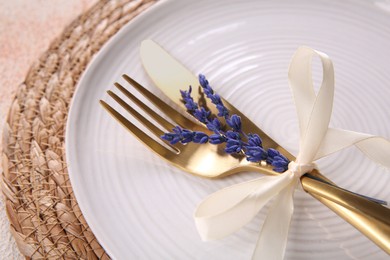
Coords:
188,100
187,136
233,146
179,134
215,98
233,142
200,138
172,138
254,150
234,122
276,159
254,140
217,139
222,111
202,115
255,153
233,135
205,85
214,125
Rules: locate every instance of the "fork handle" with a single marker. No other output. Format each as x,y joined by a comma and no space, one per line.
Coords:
370,218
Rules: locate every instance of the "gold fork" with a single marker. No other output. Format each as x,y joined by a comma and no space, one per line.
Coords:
207,160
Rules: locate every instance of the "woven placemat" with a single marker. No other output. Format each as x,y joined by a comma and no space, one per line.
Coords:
46,220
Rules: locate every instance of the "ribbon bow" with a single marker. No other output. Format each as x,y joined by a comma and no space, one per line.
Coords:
227,210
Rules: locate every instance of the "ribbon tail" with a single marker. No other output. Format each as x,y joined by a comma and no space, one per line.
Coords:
377,149
229,209
374,147
273,237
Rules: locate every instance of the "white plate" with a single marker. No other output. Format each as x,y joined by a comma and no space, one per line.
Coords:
140,207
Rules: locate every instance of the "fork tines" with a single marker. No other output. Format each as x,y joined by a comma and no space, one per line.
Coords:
161,105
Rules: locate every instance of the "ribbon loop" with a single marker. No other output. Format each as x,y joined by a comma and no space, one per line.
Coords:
313,111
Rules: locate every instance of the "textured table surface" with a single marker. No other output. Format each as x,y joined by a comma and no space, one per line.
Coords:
27,27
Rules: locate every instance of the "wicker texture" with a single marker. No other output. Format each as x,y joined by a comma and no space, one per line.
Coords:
46,220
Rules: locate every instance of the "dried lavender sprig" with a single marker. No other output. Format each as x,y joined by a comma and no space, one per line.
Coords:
215,126
215,98
253,149
184,136
278,160
234,122
233,141
200,113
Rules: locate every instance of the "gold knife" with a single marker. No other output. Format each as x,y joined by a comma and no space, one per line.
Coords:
370,218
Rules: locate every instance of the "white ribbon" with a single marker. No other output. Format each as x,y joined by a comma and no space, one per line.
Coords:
227,210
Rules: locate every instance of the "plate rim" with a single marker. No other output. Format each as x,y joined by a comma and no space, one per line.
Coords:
73,105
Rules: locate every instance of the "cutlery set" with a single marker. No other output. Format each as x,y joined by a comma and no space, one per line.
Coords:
368,215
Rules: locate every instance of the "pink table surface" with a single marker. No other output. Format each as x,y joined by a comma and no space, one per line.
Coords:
27,27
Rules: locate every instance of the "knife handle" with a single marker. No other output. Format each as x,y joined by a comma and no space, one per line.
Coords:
370,218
